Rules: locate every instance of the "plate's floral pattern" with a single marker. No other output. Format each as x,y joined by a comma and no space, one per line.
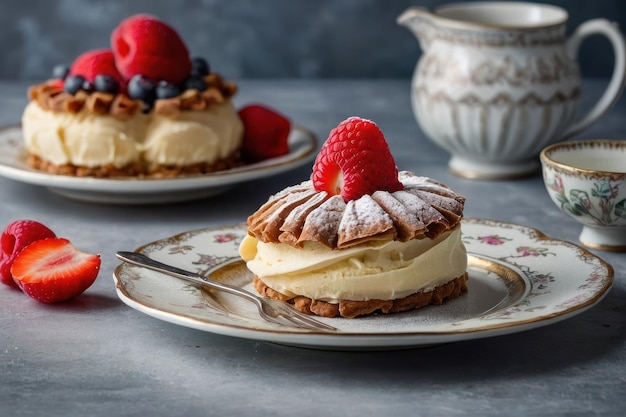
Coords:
535,254
564,278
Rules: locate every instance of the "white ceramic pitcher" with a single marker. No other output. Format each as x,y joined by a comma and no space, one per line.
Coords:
498,81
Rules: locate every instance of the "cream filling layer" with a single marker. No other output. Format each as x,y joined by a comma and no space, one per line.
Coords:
383,271
193,137
81,139
89,140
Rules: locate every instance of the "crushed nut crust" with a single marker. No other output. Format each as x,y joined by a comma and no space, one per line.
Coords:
136,169
51,96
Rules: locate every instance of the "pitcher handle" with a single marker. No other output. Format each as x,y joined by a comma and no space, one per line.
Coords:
616,84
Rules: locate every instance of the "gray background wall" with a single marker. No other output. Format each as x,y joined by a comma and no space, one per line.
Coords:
255,38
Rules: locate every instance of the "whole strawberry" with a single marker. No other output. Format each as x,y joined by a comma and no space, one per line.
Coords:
144,45
354,161
266,133
15,237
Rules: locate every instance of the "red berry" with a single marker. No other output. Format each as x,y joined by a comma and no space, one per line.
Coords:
355,160
144,45
53,270
14,239
55,83
96,62
265,133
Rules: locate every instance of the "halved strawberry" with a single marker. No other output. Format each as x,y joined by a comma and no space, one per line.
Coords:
96,62
16,236
144,45
265,133
355,160
53,270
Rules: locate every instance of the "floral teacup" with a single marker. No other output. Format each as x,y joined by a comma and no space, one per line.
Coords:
587,180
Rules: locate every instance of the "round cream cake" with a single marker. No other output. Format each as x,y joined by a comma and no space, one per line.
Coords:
100,134
385,252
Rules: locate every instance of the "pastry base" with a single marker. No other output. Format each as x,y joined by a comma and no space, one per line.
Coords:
137,169
351,309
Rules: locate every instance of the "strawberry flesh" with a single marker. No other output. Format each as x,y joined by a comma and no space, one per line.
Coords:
53,270
15,237
144,45
266,133
354,161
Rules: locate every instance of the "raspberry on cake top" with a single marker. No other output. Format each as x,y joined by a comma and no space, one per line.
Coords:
143,106
358,237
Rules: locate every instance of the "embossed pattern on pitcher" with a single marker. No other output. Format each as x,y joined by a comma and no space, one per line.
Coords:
486,100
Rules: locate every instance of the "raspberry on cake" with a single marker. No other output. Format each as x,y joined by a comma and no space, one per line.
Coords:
144,107
359,237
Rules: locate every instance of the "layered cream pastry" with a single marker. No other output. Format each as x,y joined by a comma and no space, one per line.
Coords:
110,136
143,107
394,249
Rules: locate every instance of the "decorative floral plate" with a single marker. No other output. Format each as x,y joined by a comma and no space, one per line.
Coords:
519,279
13,165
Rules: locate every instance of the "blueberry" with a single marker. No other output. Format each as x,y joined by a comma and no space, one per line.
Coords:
141,88
87,86
199,67
196,83
59,72
167,90
73,83
106,83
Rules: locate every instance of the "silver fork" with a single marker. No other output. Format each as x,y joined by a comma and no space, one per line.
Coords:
274,311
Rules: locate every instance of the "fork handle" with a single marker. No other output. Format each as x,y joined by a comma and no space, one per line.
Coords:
142,260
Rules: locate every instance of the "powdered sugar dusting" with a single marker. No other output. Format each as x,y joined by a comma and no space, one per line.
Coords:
322,224
303,186
418,207
413,182
439,201
275,219
297,214
363,218
408,225
295,220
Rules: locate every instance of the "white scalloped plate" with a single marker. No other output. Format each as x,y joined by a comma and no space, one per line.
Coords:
13,165
520,279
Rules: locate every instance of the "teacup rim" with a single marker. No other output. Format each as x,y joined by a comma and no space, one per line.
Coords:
547,160
493,26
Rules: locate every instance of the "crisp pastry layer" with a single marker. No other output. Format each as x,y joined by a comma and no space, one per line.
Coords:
425,208
351,309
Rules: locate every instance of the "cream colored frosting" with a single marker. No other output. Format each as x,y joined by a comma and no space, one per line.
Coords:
81,139
194,136
91,140
377,270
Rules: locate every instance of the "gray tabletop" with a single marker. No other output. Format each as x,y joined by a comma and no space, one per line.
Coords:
95,356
